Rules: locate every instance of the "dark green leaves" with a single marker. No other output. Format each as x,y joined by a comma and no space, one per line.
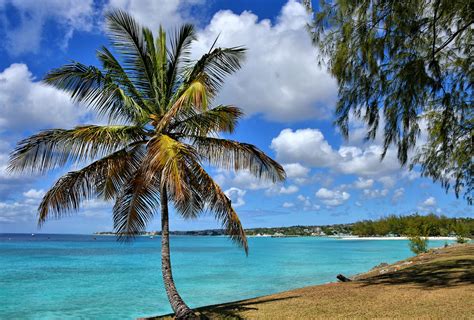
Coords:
405,61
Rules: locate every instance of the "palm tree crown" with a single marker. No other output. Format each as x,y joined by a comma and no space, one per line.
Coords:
166,129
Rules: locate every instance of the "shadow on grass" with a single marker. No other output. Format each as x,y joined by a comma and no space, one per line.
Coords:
438,274
229,310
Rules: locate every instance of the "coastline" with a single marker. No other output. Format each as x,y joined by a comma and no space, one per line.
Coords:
407,279
336,237
390,238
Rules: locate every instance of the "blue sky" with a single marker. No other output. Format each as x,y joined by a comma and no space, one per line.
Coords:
288,99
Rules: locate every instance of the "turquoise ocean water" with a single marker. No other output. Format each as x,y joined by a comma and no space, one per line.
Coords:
77,277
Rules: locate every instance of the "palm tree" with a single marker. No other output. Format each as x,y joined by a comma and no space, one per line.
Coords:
165,131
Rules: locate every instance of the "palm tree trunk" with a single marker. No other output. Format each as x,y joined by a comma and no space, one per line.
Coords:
181,310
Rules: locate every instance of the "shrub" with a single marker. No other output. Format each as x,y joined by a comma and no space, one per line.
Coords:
418,244
462,233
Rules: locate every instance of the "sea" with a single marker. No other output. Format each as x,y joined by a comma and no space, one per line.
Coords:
50,276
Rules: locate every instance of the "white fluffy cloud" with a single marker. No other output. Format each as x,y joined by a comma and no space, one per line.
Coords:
398,194
16,212
280,78
34,194
152,13
26,104
309,147
245,179
236,195
362,183
296,171
288,190
429,202
366,162
332,198
288,205
25,35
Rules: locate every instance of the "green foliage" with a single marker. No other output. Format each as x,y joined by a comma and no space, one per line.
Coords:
418,244
429,225
462,233
403,65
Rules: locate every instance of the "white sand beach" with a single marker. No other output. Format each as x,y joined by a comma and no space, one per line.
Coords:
391,238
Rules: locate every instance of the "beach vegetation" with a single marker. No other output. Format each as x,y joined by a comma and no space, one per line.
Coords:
162,130
462,233
418,244
429,225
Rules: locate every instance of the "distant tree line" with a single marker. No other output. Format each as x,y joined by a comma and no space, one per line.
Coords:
412,225
415,225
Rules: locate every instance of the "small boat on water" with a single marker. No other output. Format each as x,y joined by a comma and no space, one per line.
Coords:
32,234
151,237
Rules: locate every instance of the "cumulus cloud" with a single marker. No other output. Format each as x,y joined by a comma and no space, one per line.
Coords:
307,146
310,147
236,195
388,181
152,13
296,171
288,205
362,183
31,105
429,202
304,200
34,194
375,193
26,34
398,194
16,212
280,78
288,190
332,198
27,105
245,179
366,162
428,205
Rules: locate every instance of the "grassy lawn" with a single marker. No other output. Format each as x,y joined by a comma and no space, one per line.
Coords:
436,285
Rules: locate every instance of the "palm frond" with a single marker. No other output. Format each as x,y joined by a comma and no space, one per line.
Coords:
212,121
179,54
137,204
218,203
229,154
56,147
161,63
118,75
103,177
194,96
87,84
169,157
216,65
127,37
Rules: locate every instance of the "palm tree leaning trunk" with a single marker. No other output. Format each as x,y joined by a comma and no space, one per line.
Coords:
181,310
167,130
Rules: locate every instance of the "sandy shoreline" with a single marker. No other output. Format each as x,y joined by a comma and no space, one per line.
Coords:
392,238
